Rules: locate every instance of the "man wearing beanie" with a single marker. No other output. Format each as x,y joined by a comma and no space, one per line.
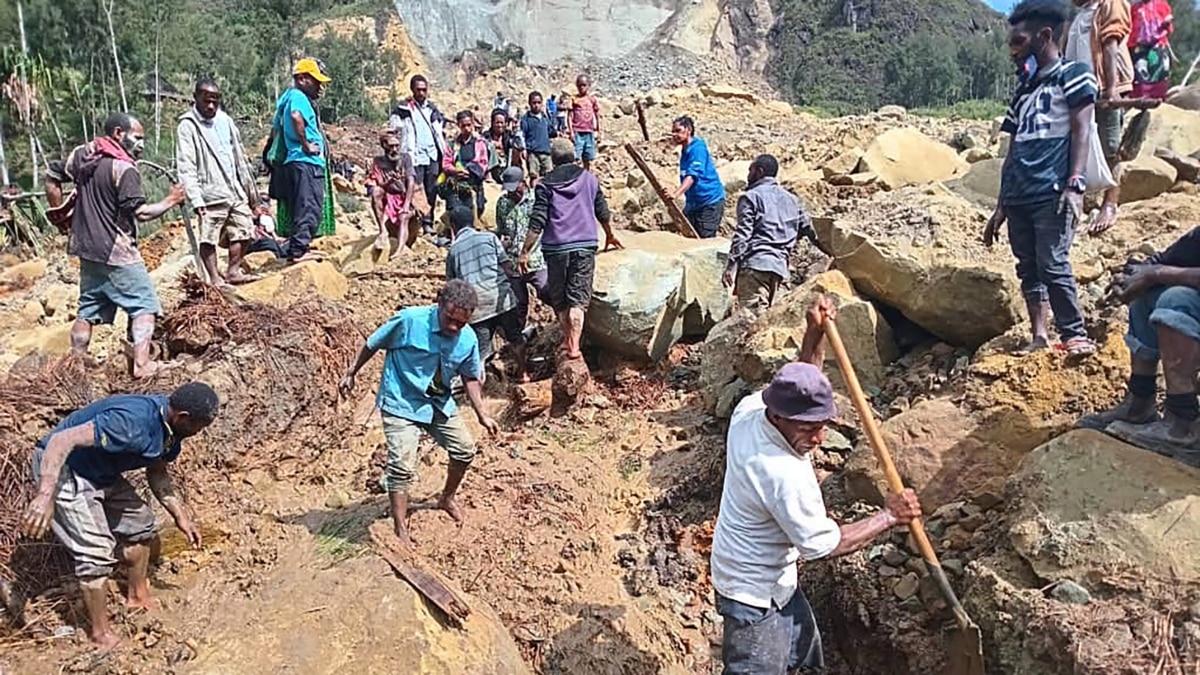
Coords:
772,515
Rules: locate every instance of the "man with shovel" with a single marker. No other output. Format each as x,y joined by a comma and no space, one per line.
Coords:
772,515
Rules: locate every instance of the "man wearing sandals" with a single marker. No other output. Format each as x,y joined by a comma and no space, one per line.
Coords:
1163,295
1043,180
220,186
772,515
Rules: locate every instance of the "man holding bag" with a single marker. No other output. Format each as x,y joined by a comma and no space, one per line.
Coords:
1045,172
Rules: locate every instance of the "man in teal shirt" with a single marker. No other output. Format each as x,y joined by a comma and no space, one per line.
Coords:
699,182
300,182
426,347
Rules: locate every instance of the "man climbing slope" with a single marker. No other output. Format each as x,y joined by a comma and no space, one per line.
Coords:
426,347
772,515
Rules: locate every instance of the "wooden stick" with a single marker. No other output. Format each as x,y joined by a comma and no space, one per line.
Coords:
408,565
682,225
642,120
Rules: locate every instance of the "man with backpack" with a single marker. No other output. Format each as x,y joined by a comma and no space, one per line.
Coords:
424,140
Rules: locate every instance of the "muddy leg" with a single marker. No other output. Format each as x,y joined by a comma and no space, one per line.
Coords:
1039,322
137,557
141,330
399,502
454,478
574,324
81,337
95,599
208,255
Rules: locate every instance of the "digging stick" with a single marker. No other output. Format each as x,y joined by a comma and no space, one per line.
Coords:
966,650
193,243
642,120
682,225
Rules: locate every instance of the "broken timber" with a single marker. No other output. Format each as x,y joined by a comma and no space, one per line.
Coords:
682,225
408,565
642,119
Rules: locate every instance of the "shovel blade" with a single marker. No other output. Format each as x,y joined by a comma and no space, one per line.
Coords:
966,651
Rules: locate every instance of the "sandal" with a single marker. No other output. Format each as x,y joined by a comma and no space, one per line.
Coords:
1077,346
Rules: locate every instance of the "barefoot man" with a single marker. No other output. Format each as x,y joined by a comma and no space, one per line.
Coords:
219,183
391,186
426,347
84,497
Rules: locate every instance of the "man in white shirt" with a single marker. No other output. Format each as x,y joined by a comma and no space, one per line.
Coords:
772,514
424,140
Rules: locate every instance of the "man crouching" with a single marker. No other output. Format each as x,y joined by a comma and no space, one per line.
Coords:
772,514
84,497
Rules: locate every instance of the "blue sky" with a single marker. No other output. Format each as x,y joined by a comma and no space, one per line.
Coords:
1001,5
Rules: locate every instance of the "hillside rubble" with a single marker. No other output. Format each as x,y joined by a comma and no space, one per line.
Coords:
587,532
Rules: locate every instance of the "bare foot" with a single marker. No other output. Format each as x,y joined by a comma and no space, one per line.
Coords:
153,368
239,279
450,506
1104,220
1037,344
311,256
106,641
141,600
397,253
381,242
405,540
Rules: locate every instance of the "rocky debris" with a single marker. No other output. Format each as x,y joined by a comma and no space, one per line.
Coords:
295,283
728,92
661,288
843,164
1172,128
963,302
905,156
1087,502
1187,98
861,179
1070,592
981,183
892,111
25,273
973,155
59,299
1145,177
743,353
1187,168
941,451
52,340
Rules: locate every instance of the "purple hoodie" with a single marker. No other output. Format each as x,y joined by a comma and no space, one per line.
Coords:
567,204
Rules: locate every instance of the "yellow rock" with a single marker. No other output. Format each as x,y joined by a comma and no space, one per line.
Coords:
26,272
32,312
905,156
295,283
58,299
50,340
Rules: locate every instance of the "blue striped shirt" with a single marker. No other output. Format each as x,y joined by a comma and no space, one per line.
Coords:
1039,119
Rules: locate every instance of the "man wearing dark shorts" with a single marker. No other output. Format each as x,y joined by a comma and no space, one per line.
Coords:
699,183
772,515
512,226
567,204
106,207
478,258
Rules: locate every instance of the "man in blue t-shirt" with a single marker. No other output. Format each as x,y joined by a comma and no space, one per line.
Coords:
699,182
84,498
426,348
1043,180
300,184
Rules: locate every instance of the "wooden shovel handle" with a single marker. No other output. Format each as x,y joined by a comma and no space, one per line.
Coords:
895,484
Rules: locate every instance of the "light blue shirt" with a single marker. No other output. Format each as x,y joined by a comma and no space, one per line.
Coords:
294,100
421,363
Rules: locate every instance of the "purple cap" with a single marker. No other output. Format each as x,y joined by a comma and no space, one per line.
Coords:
800,392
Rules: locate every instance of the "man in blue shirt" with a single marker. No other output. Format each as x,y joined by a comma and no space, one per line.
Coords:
300,183
1043,179
704,204
426,347
84,498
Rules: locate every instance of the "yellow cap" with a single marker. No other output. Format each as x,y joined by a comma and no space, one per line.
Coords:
311,67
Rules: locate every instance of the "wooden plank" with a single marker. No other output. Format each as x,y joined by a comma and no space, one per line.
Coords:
682,225
409,566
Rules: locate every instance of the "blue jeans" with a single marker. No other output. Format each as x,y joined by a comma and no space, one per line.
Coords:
770,641
1041,238
1176,307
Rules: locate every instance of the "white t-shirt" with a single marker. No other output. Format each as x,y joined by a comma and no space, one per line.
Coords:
1079,36
772,513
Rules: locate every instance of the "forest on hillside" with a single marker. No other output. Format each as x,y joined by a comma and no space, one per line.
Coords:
66,63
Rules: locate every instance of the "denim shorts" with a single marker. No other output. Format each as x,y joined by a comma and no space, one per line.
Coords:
1175,307
771,641
585,145
105,288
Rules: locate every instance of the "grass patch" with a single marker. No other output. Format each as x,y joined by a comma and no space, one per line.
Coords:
965,110
343,536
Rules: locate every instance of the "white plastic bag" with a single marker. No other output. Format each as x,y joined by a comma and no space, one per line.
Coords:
1099,176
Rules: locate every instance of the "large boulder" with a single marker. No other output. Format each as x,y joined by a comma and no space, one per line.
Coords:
1187,168
659,289
742,353
1090,503
962,301
905,156
1187,98
981,183
843,164
1145,177
941,451
733,176
295,283
727,92
1172,128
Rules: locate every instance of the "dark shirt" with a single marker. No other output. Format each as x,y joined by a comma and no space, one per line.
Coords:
108,195
131,432
537,130
769,220
566,205
1185,252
